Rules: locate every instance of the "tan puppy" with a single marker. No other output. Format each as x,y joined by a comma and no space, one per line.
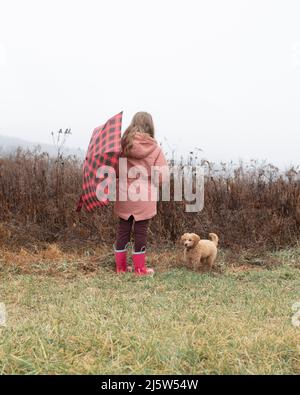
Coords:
200,253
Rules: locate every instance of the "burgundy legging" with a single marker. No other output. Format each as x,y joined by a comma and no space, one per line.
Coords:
124,233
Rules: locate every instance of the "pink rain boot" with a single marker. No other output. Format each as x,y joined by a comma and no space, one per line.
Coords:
139,262
121,261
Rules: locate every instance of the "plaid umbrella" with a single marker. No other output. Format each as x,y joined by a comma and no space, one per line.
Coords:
104,150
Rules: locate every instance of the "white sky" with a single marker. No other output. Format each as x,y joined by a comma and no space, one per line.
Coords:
220,75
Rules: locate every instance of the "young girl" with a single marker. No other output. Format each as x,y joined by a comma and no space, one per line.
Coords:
140,148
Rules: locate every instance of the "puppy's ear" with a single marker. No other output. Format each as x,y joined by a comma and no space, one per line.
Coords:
196,238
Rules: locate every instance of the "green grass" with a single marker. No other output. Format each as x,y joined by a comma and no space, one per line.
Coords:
179,322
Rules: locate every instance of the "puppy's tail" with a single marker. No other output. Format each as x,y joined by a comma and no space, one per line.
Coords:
214,238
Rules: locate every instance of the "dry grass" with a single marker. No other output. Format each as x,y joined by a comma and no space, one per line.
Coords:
53,261
235,321
251,205
69,313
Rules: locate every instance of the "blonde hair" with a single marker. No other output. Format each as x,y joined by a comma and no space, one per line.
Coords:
141,122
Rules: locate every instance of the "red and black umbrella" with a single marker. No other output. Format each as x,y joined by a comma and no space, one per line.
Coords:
104,151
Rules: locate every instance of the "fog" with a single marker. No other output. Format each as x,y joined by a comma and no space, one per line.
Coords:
223,76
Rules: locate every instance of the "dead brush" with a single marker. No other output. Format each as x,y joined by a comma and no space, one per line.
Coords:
248,205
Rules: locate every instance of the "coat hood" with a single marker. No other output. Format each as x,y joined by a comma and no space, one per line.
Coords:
143,145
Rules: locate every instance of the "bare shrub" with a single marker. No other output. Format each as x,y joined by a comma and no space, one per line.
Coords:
247,205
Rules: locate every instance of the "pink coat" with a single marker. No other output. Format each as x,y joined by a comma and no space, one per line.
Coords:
147,153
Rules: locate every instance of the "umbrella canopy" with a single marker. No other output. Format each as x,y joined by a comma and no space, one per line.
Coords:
104,150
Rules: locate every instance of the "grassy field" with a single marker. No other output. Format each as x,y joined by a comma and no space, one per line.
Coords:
234,321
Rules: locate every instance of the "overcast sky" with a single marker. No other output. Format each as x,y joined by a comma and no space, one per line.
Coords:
223,76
